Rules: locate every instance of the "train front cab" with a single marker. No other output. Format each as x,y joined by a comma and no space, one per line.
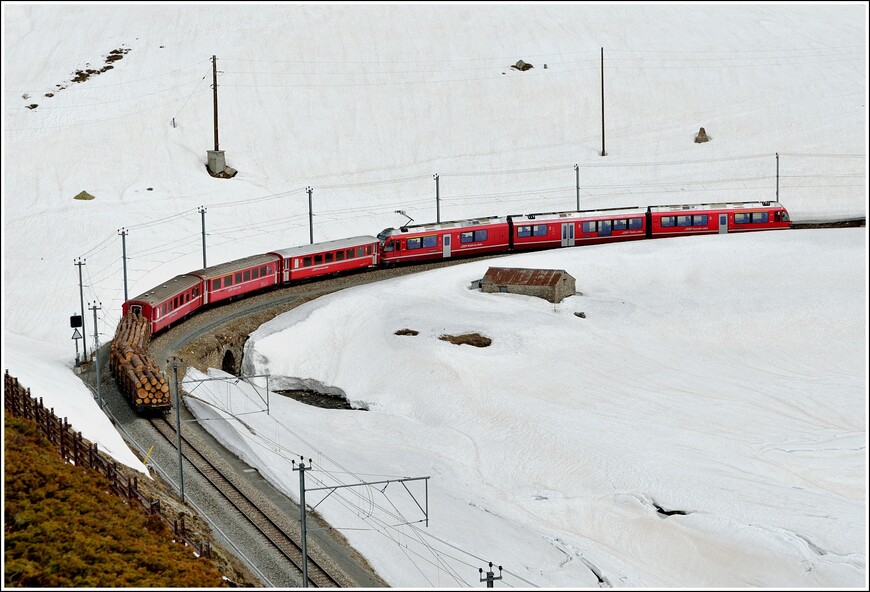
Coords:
770,216
665,221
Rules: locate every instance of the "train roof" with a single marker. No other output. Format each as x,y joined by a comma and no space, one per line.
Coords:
232,266
734,205
167,290
336,245
628,211
445,225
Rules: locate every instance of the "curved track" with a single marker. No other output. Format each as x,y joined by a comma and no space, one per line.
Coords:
234,494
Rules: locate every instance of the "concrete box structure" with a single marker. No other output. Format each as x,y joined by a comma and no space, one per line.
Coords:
553,285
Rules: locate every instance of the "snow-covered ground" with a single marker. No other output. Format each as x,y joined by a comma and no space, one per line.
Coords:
725,377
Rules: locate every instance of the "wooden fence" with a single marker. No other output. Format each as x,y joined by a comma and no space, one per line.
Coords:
18,401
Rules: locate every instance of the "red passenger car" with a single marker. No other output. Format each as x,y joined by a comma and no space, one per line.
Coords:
169,302
309,261
567,229
239,277
720,218
424,242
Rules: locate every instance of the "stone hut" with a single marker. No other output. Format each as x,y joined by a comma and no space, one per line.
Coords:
550,284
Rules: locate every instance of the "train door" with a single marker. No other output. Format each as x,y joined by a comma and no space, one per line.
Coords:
723,223
446,246
568,234
604,227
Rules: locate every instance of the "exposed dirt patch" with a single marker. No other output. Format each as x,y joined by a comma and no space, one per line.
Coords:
84,74
318,399
475,339
407,332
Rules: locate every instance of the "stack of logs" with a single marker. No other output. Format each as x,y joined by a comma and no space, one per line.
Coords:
139,378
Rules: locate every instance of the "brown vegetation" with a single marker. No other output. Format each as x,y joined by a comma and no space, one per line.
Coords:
475,339
63,528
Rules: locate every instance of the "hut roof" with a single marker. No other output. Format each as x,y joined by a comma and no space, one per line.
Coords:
517,276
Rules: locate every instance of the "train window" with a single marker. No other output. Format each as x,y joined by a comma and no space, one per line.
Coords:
349,253
538,230
412,243
360,251
228,281
620,224
255,273
480,235
784,216
684,220
430,241
699,220
247,276
590,227
215,284
741,218
339,255
387,247
318,259
306,261
368,249
524,231
238,278
329,257
759,217
466,237
635,223
667,220
264,271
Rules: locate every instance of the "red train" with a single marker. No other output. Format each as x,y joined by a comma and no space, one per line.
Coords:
183,295
423,242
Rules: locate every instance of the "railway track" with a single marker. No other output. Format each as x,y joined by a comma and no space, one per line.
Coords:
257,516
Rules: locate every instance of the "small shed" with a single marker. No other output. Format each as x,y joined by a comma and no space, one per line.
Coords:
550,284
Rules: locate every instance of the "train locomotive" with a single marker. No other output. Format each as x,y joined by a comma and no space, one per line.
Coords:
184,295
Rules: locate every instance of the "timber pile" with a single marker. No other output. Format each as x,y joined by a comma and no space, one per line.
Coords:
139,378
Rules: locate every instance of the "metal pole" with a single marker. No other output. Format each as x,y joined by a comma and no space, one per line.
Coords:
214,84
310,216
577,174
301,468
178,429
82,303
603,153
97,353
203,210
437,200
777,176
123,233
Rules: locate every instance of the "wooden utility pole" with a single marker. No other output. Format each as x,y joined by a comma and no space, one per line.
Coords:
214,85
603,152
